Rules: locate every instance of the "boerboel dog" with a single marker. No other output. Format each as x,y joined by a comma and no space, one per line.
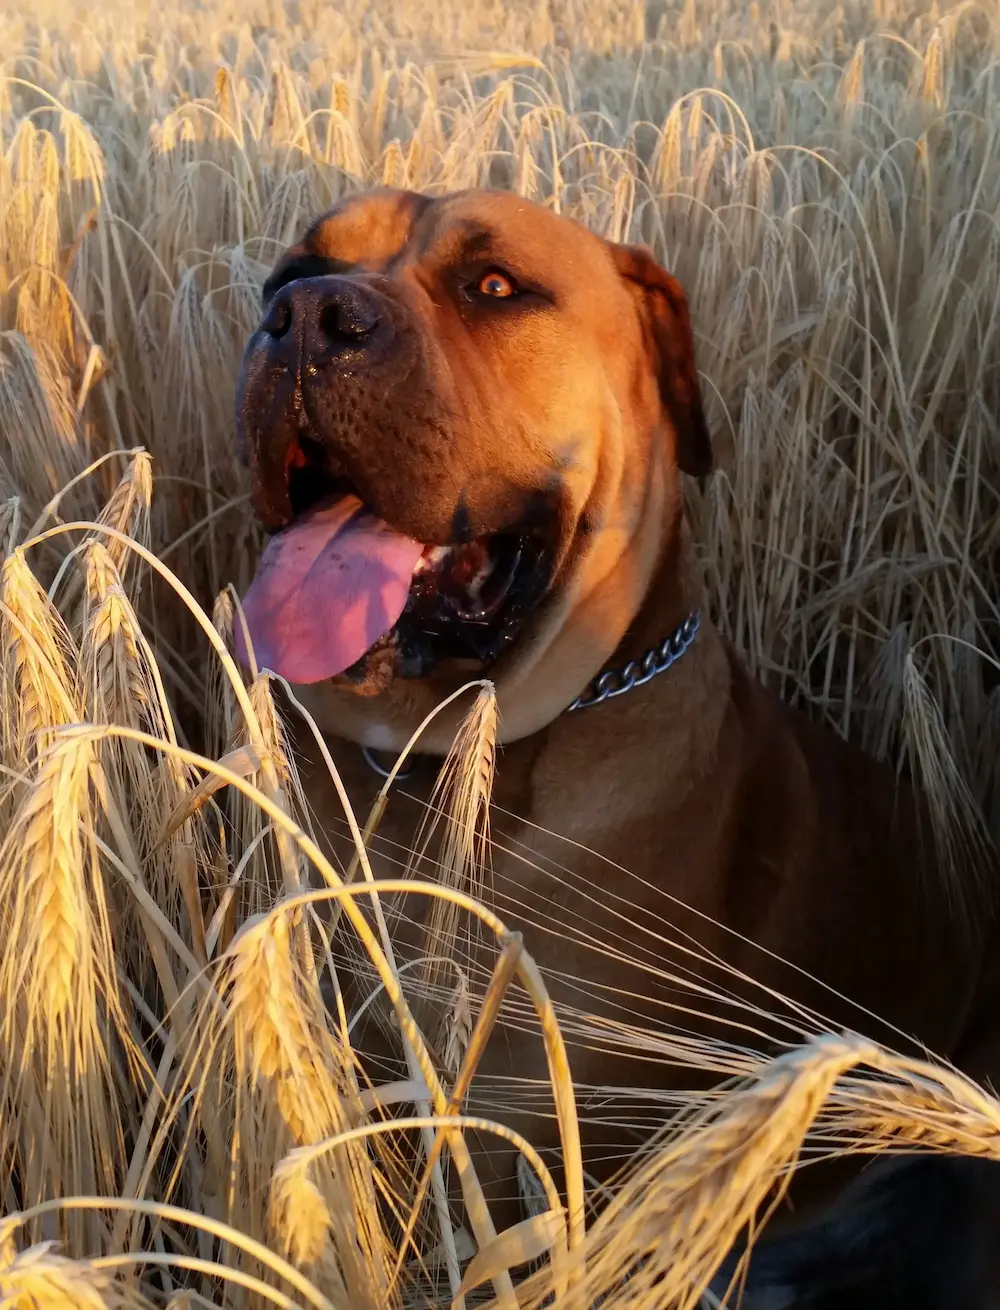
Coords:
466,421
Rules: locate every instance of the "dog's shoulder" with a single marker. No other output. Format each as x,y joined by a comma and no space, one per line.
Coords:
803,773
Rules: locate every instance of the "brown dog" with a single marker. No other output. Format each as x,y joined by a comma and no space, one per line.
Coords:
465,421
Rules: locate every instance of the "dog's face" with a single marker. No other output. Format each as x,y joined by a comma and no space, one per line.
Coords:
463,419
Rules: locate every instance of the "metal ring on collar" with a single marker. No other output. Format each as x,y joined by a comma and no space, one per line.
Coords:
375,767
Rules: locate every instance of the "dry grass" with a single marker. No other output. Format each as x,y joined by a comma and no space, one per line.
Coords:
176,1048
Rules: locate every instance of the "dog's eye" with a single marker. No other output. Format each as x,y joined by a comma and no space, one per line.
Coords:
496,284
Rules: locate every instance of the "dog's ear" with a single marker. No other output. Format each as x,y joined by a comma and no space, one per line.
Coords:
666,325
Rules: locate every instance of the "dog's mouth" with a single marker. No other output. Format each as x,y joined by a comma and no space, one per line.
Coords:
340,590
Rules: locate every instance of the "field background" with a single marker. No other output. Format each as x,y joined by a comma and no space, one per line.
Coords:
824,179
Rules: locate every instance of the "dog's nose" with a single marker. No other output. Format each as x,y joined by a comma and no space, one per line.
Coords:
324,314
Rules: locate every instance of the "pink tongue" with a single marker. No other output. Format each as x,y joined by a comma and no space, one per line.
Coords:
326,589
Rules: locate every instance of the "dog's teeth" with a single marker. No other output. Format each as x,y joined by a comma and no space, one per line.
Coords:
477,583
431,557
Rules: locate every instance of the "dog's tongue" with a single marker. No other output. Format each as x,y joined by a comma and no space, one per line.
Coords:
326,589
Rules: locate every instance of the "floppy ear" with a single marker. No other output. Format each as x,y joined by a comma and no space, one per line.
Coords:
666,325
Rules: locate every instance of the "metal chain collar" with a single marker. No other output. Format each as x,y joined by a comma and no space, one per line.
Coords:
636,673
608,685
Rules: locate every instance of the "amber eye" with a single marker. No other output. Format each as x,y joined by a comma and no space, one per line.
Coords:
496,284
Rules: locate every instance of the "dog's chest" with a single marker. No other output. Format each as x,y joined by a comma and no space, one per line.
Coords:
575,861
543,821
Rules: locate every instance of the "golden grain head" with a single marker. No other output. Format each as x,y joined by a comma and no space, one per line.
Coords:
459,806
297,1212
8,1247
281,1052
45,846
42,1279
39,689
112,642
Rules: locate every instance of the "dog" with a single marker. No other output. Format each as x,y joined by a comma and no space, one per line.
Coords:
466,422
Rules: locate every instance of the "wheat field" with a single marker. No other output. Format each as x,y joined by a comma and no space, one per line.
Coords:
184,1121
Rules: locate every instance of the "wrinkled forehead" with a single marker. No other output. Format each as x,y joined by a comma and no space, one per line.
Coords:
381,231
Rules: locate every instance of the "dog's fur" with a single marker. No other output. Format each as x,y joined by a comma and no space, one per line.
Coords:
574,411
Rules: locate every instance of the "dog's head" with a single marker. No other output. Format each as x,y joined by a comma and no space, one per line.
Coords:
463,419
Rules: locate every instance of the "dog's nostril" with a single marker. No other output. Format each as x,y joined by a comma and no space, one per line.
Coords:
345,320
278,319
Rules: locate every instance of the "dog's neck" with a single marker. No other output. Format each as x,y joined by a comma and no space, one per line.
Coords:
645,750
688,701
676,590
